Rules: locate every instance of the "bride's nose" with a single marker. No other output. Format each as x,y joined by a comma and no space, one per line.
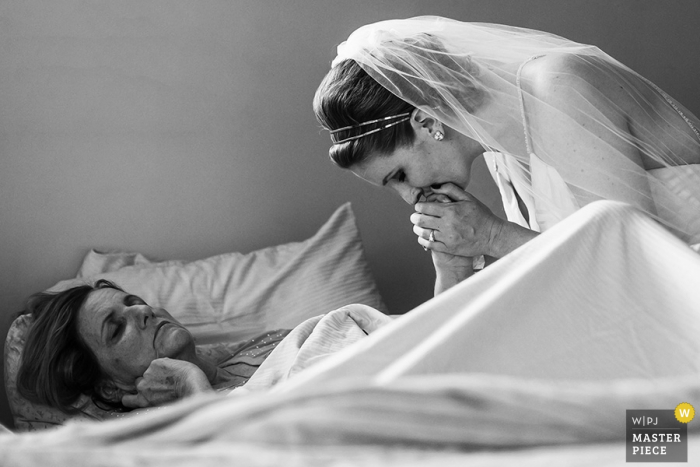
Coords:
410,194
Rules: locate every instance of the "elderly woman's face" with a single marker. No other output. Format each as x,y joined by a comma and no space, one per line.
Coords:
126,334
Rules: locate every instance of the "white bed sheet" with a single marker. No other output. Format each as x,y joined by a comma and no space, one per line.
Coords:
524,364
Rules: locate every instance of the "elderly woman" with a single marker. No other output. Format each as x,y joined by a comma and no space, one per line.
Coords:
100,341
411,104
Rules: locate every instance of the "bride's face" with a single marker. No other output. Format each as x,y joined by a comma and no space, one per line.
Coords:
126,334
412,170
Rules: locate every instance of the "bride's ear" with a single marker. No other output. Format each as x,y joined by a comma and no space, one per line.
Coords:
425,124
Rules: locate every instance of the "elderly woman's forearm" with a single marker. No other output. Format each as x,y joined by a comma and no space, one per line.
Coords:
446,278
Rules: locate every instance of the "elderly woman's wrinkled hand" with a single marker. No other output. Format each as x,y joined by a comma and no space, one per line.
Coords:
462,227
166,380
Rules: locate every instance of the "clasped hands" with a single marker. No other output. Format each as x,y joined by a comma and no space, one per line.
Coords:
463,226
166,380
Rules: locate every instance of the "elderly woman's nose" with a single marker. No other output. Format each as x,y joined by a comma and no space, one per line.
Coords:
142,314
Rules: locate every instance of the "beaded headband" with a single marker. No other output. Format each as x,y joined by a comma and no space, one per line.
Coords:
403,117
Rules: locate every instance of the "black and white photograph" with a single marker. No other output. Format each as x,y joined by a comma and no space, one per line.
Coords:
349,233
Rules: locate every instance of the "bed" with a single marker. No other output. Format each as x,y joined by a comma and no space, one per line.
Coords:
522,364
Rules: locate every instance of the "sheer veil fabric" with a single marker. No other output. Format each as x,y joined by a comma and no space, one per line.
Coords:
634,143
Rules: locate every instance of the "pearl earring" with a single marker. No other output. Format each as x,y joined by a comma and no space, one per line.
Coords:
439,135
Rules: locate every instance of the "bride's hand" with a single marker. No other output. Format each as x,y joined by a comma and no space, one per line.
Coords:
464,226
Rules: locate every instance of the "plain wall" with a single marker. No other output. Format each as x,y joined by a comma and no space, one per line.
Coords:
183,129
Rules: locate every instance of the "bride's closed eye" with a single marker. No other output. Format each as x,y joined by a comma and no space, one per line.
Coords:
399,176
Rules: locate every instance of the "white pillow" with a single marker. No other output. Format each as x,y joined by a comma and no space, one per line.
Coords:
235,296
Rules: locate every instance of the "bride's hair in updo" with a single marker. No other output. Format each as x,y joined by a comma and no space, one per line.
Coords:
348,97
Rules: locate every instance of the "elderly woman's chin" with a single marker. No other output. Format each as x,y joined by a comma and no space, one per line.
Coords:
172,340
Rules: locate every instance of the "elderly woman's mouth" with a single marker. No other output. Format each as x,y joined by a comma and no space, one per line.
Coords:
160,326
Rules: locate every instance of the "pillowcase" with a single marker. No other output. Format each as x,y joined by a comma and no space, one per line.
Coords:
236,296
233,297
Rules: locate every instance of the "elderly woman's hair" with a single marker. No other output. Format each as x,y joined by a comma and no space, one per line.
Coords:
57,366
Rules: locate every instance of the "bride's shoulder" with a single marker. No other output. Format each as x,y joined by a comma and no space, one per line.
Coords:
563,75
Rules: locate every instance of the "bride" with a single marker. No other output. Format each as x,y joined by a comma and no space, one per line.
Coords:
410,104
